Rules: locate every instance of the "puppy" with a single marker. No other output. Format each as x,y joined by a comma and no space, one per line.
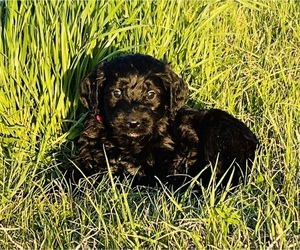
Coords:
132,102
138,126
211,141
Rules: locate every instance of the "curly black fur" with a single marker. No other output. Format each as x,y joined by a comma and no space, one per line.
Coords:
210,141
138,120
132,101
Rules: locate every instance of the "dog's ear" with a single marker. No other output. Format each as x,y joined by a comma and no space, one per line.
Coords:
178,92
90,87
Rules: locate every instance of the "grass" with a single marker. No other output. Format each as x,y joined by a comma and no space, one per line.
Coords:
240,56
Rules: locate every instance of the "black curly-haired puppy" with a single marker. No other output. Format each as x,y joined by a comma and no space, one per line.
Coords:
137,119
133,101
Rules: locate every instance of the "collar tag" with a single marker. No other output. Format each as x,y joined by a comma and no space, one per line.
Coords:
99,118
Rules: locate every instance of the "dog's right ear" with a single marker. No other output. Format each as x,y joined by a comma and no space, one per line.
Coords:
90,87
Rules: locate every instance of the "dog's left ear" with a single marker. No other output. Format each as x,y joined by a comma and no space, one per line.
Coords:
90,87
178,91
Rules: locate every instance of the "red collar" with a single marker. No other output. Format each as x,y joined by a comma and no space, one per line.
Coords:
99,118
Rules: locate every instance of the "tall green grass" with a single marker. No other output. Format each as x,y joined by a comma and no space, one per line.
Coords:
241,56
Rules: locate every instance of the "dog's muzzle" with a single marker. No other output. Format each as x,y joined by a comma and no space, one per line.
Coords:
136,123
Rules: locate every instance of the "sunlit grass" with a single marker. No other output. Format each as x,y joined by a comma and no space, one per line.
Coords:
240,56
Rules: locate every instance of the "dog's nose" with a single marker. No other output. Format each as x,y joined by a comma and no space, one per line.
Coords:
133,123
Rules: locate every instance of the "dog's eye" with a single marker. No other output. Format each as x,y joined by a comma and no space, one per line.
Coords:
117,93
151,94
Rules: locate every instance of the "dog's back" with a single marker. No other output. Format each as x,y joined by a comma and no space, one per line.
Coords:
213,137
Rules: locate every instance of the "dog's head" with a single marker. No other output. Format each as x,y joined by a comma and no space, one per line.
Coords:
133,93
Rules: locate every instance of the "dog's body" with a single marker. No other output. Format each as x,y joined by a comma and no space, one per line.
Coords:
138,126
210,141
142,158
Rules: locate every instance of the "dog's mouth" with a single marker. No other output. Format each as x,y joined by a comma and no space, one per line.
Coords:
123,131
134,135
